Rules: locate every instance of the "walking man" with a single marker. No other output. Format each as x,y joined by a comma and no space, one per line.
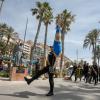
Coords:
48,69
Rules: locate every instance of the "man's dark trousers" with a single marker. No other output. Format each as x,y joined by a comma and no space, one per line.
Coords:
43,71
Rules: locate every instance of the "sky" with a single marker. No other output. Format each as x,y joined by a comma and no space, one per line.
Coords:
87,16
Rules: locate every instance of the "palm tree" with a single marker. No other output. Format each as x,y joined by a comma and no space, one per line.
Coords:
91,41
38,11
64,21
2,1
2,49
3,30
47,19
8,32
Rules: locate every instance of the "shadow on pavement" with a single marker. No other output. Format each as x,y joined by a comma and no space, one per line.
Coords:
71,92
62,92
24,94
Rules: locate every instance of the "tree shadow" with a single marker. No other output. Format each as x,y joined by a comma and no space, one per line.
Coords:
62,92
70,92
67,96
23,94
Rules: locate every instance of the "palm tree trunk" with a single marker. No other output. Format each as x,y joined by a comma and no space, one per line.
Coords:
7,42
94,54
8,39
35,40
45,43
62,56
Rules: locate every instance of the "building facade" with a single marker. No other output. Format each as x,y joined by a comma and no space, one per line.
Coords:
26,49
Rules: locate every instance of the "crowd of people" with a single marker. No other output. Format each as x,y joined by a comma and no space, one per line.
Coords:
89,73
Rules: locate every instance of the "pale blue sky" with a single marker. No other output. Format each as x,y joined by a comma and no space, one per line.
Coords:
15,13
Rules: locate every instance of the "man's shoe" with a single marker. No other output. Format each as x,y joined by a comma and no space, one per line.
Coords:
95,84
27,80
50,94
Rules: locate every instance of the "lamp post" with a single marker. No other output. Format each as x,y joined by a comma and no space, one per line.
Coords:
77,54
25,37
2,1
25,30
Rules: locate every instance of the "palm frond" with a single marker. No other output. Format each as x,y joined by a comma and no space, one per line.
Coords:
39,4
34,11
64,20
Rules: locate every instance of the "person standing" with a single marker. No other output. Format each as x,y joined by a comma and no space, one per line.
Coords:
74,70
84,70
37,66
48,69
95,73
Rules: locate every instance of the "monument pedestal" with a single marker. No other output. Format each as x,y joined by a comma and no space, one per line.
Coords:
18,76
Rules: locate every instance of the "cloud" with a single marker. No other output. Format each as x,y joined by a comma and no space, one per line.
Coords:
15,13
74,42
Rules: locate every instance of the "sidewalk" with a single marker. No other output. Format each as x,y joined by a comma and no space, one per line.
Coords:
64,90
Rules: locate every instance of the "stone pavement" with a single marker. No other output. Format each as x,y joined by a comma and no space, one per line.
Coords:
64,90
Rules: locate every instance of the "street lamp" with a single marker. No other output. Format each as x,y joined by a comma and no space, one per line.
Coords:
2,1
77,54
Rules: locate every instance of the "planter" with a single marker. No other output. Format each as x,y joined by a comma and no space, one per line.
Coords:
16,75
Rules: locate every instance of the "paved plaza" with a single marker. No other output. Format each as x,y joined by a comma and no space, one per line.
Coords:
64,90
